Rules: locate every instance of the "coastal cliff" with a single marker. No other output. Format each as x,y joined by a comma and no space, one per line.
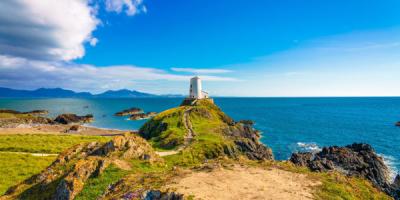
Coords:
196,151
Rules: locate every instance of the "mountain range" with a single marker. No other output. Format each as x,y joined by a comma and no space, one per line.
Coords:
63,93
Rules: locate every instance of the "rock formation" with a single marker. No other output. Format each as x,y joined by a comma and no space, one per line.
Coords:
73,118
354,160
130,111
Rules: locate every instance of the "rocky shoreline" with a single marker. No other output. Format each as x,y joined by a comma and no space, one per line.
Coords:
359,160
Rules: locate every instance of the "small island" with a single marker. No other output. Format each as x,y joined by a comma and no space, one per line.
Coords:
136,114
130,111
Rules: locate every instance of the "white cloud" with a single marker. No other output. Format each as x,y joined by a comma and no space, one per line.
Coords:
54,29
31,74
131,7
200,71
46,29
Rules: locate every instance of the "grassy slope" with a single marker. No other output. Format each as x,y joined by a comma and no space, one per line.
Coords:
174,133
43,143
17,167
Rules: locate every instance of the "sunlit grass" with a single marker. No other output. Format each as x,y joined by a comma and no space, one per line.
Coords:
17,167
44,143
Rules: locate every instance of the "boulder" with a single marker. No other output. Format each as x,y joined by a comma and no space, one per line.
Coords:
73,118
130,111
354,160
159,195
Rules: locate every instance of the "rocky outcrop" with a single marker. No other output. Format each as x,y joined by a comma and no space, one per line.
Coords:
73,119
130,111
247,141
140,116
12,118
354,160
66,176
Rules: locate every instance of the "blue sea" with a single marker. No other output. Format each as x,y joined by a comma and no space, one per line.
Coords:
287,124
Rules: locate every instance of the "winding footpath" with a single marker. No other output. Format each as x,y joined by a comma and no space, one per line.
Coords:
188,125
188,137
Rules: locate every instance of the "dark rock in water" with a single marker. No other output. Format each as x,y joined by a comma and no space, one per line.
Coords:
140,116
158,195
354,160
398,123
72,118
130,111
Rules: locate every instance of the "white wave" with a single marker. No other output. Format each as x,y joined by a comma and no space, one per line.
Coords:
391,162
308,147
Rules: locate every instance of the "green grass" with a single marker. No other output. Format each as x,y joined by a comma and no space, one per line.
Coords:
17,167
95,187
44,143
11,116
337,187
174,133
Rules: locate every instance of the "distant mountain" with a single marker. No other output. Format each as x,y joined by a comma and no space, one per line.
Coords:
62,93
124,94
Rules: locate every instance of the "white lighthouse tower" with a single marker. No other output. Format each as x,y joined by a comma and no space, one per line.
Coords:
195,93
195,90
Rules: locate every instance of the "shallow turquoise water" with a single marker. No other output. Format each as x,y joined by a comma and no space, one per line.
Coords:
287,124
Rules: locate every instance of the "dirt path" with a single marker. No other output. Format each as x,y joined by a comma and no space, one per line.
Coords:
244,183
188,125
188,137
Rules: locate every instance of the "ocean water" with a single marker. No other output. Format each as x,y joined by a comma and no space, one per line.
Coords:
287,124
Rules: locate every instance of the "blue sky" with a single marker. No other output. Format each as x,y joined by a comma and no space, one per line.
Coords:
256,48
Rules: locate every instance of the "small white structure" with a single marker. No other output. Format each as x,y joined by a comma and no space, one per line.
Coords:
195,91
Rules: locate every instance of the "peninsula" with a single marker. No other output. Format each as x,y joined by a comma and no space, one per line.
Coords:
196,151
